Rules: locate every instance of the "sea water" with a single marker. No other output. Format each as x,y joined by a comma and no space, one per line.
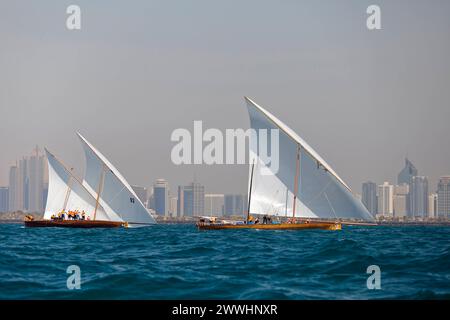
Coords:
177,261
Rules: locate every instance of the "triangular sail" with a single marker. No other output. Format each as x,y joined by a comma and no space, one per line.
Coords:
115,194
65,192
304,184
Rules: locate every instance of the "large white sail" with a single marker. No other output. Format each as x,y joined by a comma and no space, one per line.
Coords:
115,194
303,178
65,192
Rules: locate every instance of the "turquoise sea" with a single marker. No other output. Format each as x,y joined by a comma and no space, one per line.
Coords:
170,261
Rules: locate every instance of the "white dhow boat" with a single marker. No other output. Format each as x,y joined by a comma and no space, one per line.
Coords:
104,199
303,193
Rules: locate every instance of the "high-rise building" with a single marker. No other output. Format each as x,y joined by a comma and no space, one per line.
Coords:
34,182
401,200
432,205
386,199
4,199
369,197
443,200
191,200
161,197
235,204
180,202
27,181
23,185
405,177
214,204
173,206
407,173
15,191
419,196
141,193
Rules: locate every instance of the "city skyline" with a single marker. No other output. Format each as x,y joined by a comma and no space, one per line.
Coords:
412,196
433,180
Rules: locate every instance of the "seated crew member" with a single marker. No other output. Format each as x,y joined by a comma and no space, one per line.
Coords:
83,215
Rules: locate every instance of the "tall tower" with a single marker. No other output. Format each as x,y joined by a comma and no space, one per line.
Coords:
405,177
406,174
369,197
386,199
443,197
419,196
34,181
161,197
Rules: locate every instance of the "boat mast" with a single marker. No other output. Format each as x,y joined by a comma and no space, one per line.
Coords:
99,191
250,191
66,199
297,173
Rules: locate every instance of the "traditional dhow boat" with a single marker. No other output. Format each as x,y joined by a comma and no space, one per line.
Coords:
105,197
302,192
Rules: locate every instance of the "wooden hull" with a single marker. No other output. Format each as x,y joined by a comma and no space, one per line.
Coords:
74,224
280,226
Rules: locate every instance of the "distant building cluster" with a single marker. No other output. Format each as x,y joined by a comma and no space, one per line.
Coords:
28,185
192,201
410,198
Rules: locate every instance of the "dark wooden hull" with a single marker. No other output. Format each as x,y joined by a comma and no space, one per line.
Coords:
280,226
73,224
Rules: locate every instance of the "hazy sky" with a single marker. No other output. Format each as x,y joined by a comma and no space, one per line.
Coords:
137,70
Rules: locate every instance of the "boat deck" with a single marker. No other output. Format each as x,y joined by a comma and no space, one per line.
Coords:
279,226
74,223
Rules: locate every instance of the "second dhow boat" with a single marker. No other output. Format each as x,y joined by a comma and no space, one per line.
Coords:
303,191
104,197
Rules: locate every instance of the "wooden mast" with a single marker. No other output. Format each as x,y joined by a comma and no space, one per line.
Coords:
297,173
69,189
250,191
100,186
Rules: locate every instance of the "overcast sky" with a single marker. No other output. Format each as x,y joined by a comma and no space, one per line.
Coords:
137,70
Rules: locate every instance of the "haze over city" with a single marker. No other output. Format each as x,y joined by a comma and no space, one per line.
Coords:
364,100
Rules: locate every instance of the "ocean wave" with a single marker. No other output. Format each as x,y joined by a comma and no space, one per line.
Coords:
180,262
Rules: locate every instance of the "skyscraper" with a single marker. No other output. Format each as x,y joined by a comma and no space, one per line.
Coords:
27,180
173,206
4,199
191,200
419,196
214,204
180,202
432,205
443,198
15,192
401,200
369,197
34,181
386,199
161,197
409,171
